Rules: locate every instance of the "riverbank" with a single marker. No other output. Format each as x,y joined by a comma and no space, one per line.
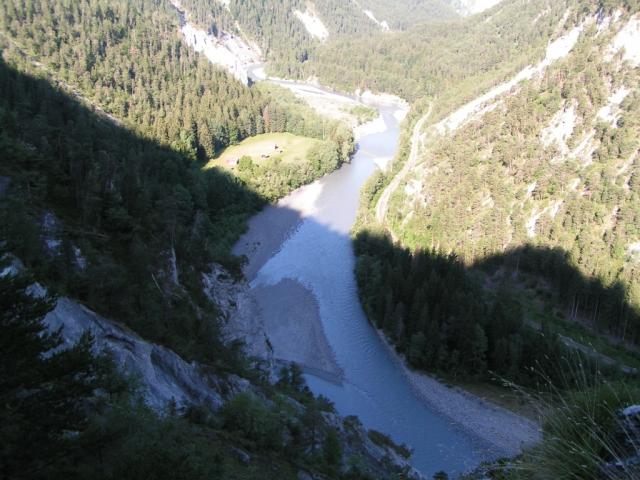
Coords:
289,311
267,231
501,428
291,317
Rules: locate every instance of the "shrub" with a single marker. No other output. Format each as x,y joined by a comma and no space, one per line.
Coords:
247,415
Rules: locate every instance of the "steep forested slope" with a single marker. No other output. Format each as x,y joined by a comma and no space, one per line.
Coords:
553,165
287,42
128,58
124,203
446,59
131,199
535,196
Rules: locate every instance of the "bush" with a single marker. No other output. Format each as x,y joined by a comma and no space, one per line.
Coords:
332,448
582,433
247,415
385,441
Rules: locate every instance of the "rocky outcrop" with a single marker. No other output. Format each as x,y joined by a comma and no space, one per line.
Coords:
163,376
380,458
241,318
627,438
227,50
471,7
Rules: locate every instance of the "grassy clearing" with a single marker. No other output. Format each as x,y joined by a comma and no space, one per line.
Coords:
289,148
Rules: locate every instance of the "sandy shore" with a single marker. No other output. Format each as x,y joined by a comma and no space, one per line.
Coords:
267,231
289,311
292,321
258,247
503,429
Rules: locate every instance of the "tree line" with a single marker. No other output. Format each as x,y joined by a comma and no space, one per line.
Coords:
438,312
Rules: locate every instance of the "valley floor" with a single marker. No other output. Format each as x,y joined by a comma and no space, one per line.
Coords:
303,339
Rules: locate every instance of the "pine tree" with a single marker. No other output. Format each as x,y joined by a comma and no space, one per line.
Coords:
45,390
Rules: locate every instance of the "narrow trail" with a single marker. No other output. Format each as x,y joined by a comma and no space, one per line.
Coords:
417,142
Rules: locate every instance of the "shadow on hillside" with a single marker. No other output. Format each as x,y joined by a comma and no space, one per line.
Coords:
125,204
469,321
116,220
606,307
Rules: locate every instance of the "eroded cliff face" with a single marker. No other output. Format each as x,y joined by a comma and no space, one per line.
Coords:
240,313
470,7
162,375
164,378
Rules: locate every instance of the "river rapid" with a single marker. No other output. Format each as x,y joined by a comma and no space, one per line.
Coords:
304,242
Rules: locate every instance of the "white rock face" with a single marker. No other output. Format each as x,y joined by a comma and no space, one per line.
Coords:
313,24
14,267
551,210
51,230
560,129
573,184
628,38
632,410
532,222
471,7
609,113
241,313
585,149
413,188
561,47
163,375
383,25
555,51
229,52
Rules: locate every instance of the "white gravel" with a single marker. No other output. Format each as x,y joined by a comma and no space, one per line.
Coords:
503,429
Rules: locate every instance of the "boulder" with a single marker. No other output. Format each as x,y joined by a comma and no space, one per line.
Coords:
627,442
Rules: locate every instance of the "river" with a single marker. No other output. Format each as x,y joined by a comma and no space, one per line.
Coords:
313,249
